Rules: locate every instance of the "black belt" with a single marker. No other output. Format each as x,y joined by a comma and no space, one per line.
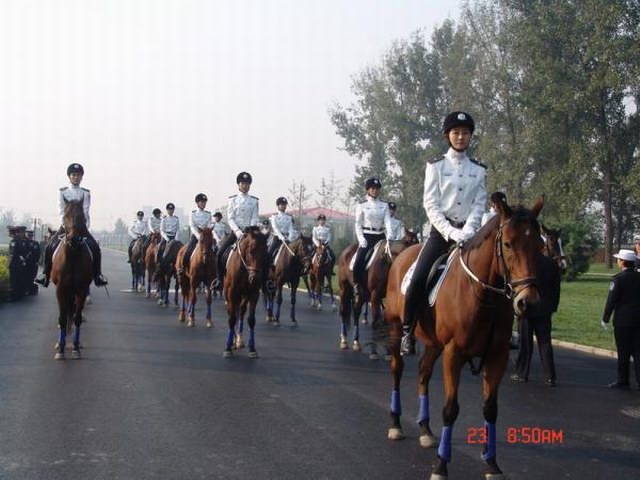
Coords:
455,224
373,230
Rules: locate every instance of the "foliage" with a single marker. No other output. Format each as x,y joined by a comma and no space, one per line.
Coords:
4,278
580,239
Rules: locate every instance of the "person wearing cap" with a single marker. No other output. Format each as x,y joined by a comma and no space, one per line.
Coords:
321,235
220,229
153,225
281,226
200,218
624,302
495,198
372,224
242,212
397,227
73,192
18,260
33,255
169,228
454,199
538,320
139,228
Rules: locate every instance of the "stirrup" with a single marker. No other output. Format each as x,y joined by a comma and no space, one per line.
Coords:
43,280
100,281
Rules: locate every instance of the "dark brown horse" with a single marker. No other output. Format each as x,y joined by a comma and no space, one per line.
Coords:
322,265
166,270
202,268
553,247
292,260
150,259
71,272
373,291
490,278
137,265
242,284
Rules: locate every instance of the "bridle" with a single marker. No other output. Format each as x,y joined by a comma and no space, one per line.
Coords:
509,289
251,270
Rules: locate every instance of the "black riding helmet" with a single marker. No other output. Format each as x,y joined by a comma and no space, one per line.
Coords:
372,182
217,215
201,197
392,205
244,177
281,201
75,168
157,211
458,119
140,213
170,206
321,217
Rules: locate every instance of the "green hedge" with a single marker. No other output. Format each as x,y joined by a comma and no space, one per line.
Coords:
4,278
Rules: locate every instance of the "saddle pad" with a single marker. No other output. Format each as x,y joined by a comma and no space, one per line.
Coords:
275,259
60,244
433,293
368,258
228,255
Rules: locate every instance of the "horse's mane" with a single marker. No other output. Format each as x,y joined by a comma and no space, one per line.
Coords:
74,212
519,214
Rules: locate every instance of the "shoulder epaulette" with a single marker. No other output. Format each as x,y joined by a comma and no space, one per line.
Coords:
193,211
62,189
207,211
233,196
478,162
254,197
435,160
85,189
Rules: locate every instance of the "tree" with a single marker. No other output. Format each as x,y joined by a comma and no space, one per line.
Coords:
329,192
120,228
299,196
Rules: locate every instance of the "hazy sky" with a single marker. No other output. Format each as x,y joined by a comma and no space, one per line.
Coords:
162,99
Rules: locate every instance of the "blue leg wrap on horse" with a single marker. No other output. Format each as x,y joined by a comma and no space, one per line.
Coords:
444,449
252,338
343,328
396,407
230,336
423,414
62,338
76,338
490,449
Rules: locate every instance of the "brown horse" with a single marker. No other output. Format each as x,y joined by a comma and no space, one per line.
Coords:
553,247
71,272
322,266
202,268
150,259
242,284
291,262
166,270
490,278
373,290
137,265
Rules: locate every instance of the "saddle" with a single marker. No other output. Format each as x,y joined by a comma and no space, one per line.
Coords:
436,276
369,256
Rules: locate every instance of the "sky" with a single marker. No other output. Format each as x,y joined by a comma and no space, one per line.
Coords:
162,99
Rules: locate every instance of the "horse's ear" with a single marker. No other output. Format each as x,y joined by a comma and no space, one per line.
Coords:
544,228
538,206
199,229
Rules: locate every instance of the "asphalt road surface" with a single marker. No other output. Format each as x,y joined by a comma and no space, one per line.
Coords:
153,398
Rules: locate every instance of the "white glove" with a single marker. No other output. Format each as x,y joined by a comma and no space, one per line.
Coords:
457,235
467,234
603,325
363,244
239,235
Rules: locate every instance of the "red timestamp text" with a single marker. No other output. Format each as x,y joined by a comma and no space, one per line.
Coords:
525,435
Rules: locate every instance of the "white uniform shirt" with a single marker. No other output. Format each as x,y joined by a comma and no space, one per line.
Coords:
372,217
199,219
455,188
321,234
397,229
282,225
220,230
154,224
77,194
138,228
242,212
169,227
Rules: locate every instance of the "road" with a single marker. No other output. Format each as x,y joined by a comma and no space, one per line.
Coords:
154,399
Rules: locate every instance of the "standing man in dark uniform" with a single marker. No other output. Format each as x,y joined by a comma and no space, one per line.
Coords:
538,321
624,300
18,253
33,257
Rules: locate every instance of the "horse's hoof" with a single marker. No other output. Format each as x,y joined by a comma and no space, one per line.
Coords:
88,301
364,321
56,347
75,354
147,295
319,307
227,354
356,346
334,307
209,324
267,319
344,345
191,323
493,476
59,356
374,356
437,476
181,317
428,441
239,343
294,324
395,434
276,323
387,358
253,354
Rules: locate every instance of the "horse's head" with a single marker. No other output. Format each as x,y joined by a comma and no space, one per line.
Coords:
409,238
75,226
253,252
304,249
155,238
205,243
517,247
553,247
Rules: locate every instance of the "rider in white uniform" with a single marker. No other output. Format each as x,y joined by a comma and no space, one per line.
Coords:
199,218
397,227
282,227
169,228
139,228
321,235
220,229
454,199
372,224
